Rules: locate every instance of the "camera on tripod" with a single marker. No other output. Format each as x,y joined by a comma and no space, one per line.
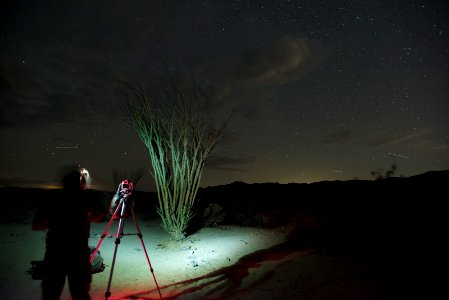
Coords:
125,188
124,191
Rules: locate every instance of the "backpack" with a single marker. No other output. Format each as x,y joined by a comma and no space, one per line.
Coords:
97,263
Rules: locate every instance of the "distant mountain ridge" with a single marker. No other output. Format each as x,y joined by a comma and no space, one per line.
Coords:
262,198
270,204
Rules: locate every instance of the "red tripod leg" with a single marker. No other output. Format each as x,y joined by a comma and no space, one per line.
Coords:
105,232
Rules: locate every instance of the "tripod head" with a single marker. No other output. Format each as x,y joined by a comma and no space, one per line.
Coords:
125,188
123,193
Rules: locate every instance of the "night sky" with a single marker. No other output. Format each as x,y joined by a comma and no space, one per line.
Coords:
323,90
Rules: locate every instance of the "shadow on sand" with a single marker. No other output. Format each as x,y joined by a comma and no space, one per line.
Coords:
228,281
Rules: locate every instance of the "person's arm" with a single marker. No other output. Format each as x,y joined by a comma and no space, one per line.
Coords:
114,203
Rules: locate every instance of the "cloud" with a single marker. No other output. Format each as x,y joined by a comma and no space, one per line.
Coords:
70,70
61,89
254,72
286,58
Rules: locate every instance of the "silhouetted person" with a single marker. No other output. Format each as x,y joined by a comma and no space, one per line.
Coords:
67,218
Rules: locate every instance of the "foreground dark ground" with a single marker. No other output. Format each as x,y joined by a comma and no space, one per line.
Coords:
380,239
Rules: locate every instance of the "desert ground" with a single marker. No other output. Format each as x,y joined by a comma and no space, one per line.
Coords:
222,262
376,240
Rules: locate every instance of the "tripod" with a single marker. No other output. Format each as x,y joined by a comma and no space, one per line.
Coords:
124,202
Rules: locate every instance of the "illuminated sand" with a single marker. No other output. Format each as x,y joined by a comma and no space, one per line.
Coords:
227,262
208,250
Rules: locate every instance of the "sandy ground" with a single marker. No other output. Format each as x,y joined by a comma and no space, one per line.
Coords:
214,263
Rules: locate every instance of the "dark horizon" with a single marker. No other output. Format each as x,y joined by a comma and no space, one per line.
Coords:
429,174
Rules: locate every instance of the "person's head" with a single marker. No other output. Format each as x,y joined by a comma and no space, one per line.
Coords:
76,178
